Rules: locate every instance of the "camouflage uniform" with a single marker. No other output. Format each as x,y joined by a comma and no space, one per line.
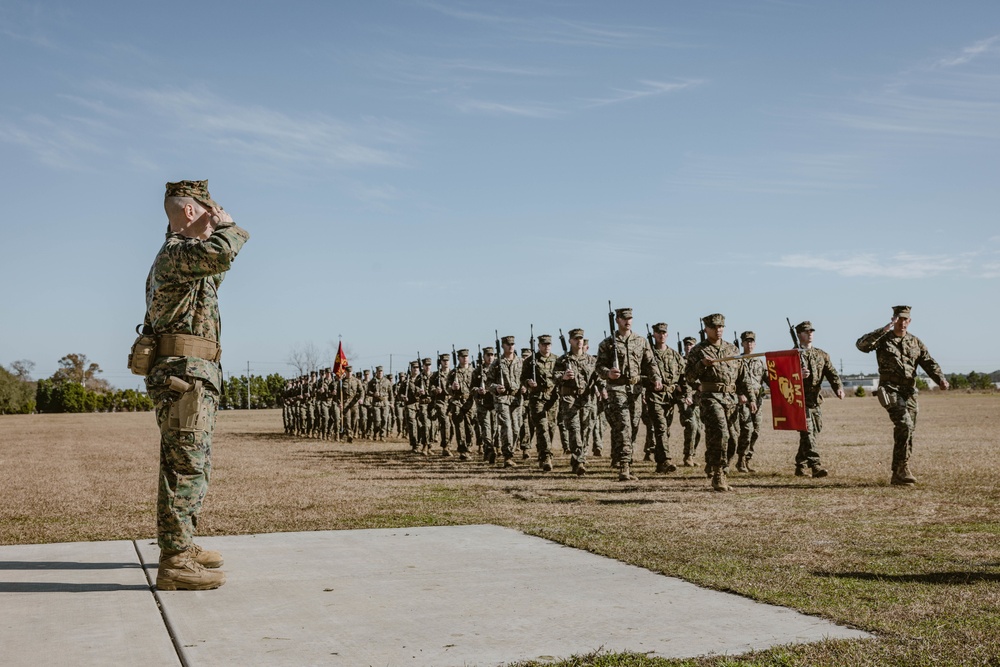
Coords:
439,403
380,399
690,410
752,384
574,396
353,393
324,401
506,374
485,410
461,406
542,400
182,298
660,404
635,361
816,367
717,398
898,359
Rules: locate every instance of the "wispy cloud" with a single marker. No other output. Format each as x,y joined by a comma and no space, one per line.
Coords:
503,109
241,131
647,89
554,30
954,96
903,265
775,173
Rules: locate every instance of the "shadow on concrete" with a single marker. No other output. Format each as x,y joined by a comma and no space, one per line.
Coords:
64,587
926,578
62,565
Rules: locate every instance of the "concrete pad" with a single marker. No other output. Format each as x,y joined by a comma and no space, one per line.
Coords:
85,603
461,595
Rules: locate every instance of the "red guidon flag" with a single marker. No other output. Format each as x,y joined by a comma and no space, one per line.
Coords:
340,362
788,404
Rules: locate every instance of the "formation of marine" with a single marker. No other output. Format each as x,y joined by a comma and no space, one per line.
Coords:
499,405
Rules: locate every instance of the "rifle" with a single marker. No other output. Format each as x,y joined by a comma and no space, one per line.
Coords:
454,356
612,327
736,340
798,346
701,331
649,337
499,356
680,345
482,371
562,341
531,342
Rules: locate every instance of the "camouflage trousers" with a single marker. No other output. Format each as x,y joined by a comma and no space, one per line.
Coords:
624,414
487,429
523,432
417,424
808,455
749,428
542,415
322,421
718,413
442,422
462,424
380,419
661,416
336,420
185,469
506,428
693,428
903,409
592,422
572,414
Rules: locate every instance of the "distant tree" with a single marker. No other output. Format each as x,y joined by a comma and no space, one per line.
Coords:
921,383
22,369
75,368
305,357
17,394
958,381
860,392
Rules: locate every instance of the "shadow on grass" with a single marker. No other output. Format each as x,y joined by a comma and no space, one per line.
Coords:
926,578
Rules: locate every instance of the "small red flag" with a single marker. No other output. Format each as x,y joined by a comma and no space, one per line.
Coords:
340,362
788,404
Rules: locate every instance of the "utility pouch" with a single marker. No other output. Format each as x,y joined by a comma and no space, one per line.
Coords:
189,413
883,396
140,358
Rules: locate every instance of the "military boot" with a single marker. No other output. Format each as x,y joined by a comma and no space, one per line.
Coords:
546,464
902,476
180,571
746,464
819,471
581,469
464,456
205,557
625,473
719,480
741,465
688,462
800,470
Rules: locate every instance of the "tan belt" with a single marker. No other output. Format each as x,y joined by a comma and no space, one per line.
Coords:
184,345
717,388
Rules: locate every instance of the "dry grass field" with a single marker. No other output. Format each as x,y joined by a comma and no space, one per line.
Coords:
919,567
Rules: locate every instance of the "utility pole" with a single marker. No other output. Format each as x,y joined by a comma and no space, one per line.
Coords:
248,385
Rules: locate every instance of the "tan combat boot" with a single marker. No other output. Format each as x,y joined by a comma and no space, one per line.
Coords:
180,571
206,557
902,476
625,474
719,480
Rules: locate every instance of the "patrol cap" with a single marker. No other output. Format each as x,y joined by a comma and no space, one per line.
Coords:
586,341
576,333
347,367
489,350
378,368
804,326
525,350
901,311
444,356
623,313
545,339
748,335
463,352
427,361
714,320
507,340
367,371
660,327
690,339
197,190
415,364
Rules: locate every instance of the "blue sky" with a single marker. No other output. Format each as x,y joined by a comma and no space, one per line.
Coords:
417,174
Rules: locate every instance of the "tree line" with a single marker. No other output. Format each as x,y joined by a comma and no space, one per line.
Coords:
76,387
